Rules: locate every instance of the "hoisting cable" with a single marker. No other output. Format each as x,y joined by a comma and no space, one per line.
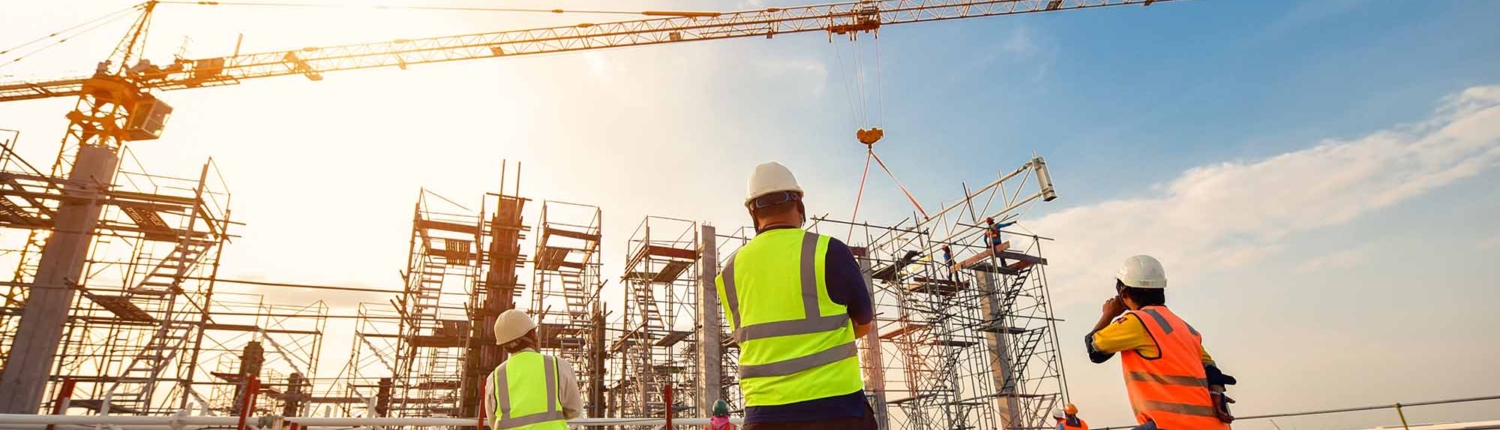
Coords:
898,185
858,196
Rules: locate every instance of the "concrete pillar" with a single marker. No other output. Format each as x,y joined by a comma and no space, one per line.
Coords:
875,385
710,353
998,346
41,329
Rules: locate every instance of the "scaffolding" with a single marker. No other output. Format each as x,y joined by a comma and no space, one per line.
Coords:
658,342
565,292
968,341
143,331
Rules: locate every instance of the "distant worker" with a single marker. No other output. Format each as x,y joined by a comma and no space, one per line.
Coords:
529,390
1067,419
796,301
720,421
1173,382
948,262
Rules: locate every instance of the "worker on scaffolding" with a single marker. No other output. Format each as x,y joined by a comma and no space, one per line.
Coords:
1173,382
529,390
1067,419
992,231
948,263
796,301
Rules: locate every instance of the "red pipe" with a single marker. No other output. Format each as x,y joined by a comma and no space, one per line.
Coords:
251,390
669,406
63,394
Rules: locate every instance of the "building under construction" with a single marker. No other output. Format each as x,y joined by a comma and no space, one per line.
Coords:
112,309
966,342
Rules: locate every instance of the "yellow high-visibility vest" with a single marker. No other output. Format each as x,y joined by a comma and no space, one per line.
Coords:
796,344
525,393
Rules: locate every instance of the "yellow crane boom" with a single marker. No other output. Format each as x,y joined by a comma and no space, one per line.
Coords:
836,18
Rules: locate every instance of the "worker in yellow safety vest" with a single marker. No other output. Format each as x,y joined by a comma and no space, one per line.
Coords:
796,301
529,390
1067,419
1173,383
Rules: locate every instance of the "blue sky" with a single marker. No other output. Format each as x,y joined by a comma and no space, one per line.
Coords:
1315,297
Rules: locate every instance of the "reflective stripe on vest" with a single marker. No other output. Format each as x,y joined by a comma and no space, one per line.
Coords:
502,398
813,322
789,353
1172,388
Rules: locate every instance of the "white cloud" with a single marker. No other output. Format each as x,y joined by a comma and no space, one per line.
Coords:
1335,260
1489,243
1019,42
1235,213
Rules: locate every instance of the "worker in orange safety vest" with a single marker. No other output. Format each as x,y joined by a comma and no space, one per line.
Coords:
1173,383
1067,419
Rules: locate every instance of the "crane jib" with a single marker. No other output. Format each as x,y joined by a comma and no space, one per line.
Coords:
835,19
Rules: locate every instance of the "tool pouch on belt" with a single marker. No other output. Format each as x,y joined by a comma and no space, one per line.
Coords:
1221,406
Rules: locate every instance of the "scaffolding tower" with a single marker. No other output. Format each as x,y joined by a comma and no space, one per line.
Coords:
442,267
141,330
565,293
970,340
657,345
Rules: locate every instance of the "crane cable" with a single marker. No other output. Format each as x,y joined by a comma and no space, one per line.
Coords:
64,35
862,118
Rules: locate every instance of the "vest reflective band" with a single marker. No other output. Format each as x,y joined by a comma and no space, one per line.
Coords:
524,393
1171,389
796,344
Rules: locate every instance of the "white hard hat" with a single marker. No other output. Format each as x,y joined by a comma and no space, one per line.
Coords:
511,325
770,177
1058,413
1142,271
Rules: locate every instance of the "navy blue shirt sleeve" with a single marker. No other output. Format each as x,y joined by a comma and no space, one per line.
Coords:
846,285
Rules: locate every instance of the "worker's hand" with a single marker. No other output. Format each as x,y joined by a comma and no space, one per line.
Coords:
1221,406
1113,307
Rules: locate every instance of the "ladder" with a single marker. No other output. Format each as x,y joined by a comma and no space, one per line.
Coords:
166,276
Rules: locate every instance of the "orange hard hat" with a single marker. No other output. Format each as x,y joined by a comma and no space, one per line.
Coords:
1071,410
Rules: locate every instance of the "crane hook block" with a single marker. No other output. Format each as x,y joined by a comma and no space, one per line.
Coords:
869,137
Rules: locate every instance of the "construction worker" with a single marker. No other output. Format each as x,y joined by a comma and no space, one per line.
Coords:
720,421
1067,419
796,301
529,390
1173,382
948,262
993,231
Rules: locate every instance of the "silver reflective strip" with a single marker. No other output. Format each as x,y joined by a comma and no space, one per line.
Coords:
1160,320
788,367
1179,408
509,423
549,371
502,394
1186,381
809,270
730,296
792,327
1191,330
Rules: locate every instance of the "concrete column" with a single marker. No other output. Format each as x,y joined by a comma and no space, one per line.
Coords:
710,353
63,257
998,346
874,361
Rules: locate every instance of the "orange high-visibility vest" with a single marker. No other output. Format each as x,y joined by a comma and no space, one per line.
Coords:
1171,389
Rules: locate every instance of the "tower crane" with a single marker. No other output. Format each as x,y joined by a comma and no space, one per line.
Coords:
117,104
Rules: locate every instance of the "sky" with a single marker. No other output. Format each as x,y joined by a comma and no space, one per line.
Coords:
1317,177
